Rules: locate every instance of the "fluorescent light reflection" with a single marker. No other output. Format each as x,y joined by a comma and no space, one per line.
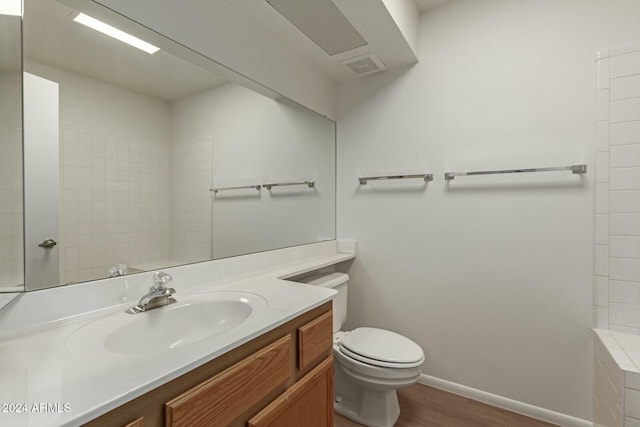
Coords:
115,33
11,7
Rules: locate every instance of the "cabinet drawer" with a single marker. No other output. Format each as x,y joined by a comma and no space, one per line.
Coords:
315,340
308,403
219,400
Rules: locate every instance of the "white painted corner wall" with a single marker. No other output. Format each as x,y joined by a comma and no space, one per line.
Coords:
492,276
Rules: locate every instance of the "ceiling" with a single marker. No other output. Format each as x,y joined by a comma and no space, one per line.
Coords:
369,18
428,4
53,38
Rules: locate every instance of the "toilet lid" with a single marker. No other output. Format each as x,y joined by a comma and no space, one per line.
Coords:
382,348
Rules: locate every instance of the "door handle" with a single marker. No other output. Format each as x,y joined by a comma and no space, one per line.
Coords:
48,244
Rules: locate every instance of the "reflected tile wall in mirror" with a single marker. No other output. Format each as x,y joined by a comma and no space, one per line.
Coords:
11,211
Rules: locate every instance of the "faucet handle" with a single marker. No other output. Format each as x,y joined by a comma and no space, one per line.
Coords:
160,280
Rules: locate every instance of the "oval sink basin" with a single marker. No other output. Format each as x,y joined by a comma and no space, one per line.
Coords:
192,319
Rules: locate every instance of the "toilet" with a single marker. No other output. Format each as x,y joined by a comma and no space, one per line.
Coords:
370,364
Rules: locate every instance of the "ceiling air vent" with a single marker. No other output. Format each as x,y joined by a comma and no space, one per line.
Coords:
365,64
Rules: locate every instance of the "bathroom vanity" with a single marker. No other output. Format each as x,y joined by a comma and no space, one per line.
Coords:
284,376
76,349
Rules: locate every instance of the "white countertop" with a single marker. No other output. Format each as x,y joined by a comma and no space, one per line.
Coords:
40,367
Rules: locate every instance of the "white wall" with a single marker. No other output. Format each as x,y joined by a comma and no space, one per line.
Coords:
114,175
220,31
617,207
254,140
492,276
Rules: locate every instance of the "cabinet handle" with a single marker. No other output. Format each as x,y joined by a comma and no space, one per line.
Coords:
48,244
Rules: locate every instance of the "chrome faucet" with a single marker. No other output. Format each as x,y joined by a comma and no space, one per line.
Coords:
157,296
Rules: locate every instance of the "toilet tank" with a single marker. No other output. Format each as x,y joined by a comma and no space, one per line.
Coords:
337,281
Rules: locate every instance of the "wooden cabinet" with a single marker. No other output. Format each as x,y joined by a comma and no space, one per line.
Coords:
137,423
219,400
313,340
308,403
281,378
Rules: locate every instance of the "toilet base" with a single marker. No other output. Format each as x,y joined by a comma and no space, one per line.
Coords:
371,407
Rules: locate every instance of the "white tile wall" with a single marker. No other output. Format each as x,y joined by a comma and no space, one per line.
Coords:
625,201
625,224
616,392
603,105
11,230
625,64
624,292
617,194
114,209
191,163
602,166
602,136
623,133
624,269
624,111
625,87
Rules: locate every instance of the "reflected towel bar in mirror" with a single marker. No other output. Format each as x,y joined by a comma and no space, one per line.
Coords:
579,169
242,187
426,176
309,184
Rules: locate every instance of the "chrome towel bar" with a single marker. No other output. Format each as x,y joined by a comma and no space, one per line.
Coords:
579,169
242,187
309,184
426,176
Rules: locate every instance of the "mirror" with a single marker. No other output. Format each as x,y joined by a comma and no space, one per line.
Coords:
11,212
144,139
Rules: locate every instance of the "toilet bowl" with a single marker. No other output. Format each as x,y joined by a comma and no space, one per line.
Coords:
370,364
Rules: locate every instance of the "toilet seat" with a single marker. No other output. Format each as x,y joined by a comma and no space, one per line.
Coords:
379,347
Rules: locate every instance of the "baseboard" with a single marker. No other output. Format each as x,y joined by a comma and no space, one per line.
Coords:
505,403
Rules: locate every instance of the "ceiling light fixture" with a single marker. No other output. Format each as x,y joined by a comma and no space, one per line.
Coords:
11,7
115,33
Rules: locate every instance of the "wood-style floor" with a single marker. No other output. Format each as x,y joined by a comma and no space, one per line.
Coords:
422,406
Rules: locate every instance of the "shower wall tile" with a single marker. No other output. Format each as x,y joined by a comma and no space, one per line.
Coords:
624,247
624,292
603,74
601,260
602,136
625,178
625,87
617,137
625,201
624,269
602,229
602,198
624,224
601,291
603,105
602,167
625,64
625,156
625,133
624,314
624,111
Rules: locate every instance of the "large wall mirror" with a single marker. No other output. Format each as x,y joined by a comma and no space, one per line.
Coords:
137,155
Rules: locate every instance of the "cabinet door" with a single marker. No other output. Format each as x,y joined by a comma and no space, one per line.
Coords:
308,403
